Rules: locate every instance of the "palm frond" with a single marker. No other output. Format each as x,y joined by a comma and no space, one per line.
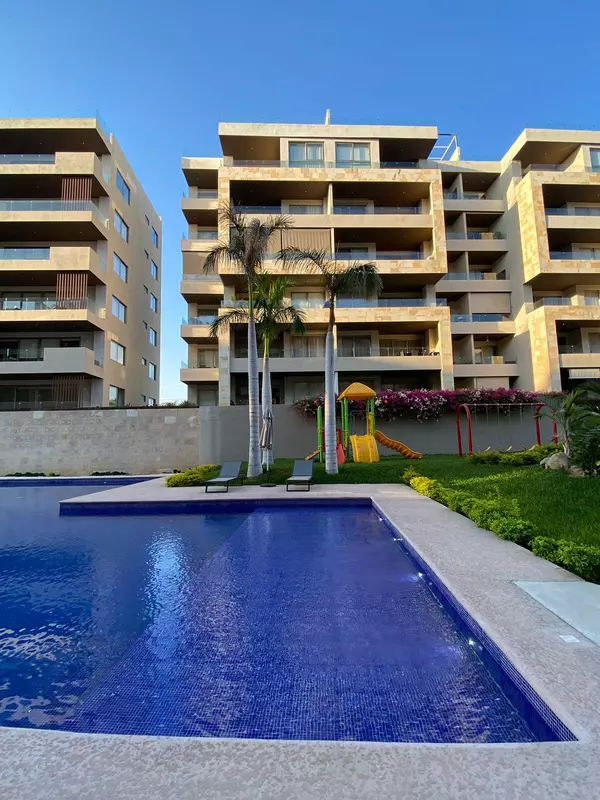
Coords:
359,280
232,316
316,261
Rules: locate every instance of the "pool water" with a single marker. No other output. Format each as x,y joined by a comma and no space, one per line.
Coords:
306,623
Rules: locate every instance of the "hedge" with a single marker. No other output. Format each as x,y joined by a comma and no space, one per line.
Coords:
520,458
505,522
196,476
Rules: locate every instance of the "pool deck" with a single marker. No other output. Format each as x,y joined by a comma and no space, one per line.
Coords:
481,571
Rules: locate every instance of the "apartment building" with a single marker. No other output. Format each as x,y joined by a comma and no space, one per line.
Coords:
490,269
80,270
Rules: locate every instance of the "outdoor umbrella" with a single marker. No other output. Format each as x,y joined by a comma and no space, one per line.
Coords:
266,437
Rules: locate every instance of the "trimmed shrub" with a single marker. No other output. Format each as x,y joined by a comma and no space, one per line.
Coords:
193,477
108,472
581,559
408,474
585,450
426,486
520,458
514,530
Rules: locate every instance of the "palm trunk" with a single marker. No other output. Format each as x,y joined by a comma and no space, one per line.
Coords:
254,466
331,465
267,398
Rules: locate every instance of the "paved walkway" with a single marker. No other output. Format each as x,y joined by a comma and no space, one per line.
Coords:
483,573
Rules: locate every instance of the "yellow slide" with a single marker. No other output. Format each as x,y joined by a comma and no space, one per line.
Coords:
364,448
394,445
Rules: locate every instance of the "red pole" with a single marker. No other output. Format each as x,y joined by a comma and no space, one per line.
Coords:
469,432
538,437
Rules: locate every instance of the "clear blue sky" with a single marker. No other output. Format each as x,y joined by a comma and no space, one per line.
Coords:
163,73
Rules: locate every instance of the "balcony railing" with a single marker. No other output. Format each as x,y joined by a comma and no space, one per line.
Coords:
580,211
476,235
552,301
27,158
24,253
480,318
43,305
203,319
474,276
577,349
211,235
202,276
455,195
483,360
350,209
578,255
382,255
558,168
405,352
48,205
319,164
381,302
591,301
201,194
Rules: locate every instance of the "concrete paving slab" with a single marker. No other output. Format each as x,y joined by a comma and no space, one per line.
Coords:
578,603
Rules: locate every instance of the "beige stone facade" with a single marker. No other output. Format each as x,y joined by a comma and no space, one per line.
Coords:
490,269
76,231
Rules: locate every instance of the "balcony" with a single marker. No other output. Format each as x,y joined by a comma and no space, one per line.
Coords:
38,262
415,359
482,323
39,220
571,221
476,241
485,367
593,254
27,158
461,282
47,169
54,361
197,329
199,241
203,287
472,201
319,164
200,206
348,216
198,374
576,357
52,314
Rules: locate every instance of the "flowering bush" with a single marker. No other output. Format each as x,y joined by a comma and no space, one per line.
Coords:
423,404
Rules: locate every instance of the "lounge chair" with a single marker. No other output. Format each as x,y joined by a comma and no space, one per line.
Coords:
230,472
301,476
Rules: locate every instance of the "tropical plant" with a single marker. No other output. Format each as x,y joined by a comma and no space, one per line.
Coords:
246,247
357,280
573,412
272,315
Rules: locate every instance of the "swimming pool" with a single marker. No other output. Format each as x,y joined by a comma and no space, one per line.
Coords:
303,622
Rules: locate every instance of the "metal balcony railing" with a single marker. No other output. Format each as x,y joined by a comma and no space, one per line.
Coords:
27,158
476,235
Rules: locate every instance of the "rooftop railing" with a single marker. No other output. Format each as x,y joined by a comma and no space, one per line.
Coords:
580,211
480,317
27,158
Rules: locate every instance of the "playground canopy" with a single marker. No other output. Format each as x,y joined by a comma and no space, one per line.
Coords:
357,391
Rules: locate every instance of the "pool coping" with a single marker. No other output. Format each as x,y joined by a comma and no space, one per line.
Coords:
477,568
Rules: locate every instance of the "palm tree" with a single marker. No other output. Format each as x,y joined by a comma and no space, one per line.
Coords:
246,247
569,414
358,280
272,316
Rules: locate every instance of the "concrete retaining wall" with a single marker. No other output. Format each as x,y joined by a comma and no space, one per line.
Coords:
151,440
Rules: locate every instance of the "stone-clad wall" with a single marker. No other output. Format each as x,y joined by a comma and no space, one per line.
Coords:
152,440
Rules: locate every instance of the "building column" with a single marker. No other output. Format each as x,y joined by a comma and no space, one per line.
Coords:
224,367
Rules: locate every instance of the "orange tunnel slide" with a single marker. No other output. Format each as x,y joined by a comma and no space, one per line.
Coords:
397,446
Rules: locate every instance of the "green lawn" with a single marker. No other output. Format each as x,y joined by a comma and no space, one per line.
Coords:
559,506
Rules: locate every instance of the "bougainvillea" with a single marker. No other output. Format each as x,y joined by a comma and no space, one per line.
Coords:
423,404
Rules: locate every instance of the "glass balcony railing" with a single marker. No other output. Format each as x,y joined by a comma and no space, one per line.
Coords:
201,194
320,164
483,360
24,253
578,255
207,235
49,304
27,158
351,209
476,235
403,352
591,301
203,319
480,317
381,255
552,301
48,205
474,276
381,302
456,195
258,209
202,276
580,211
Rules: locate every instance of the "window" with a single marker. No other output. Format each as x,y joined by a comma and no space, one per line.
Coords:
151,401
308,346
595,159
120,267
208,359
353,346
145,324
153,303
147,220
147,254
154,270
153,336
116,397
119,309
305,208
143,398
121,226
154,237
306,154
123,187
352,154
152,371
308,299
145,290
144,362
117,352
